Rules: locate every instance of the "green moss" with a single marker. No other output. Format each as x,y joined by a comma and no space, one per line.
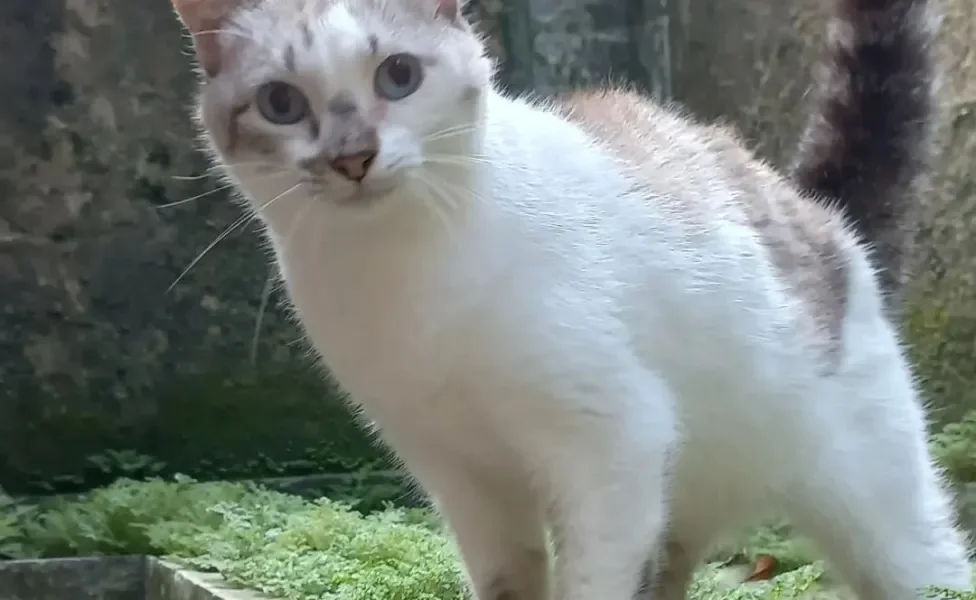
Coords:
941,340
955,448
774,538
942,346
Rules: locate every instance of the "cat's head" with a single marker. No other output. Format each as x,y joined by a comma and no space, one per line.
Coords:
348,98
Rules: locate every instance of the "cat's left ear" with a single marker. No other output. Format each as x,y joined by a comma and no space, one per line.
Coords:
204,19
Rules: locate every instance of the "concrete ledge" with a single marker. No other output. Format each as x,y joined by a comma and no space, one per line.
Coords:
94,578
166,581
112,578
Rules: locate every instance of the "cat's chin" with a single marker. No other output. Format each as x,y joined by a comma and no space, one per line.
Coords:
367,195
361,198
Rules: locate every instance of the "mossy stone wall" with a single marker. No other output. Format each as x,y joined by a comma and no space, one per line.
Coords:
104,372
96,357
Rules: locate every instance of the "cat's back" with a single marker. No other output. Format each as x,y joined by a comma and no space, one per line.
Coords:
777,253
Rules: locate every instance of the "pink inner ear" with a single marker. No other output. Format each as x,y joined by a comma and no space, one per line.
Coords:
196,13
449,9
203,18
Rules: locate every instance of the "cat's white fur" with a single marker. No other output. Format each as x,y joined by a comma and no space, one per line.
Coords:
547,340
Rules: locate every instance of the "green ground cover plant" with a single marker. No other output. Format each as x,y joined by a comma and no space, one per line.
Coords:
293,548
286,546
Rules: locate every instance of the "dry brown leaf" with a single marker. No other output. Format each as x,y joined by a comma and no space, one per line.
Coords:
762,569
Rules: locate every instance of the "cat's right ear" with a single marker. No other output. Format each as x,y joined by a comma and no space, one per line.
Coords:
204,19
452,10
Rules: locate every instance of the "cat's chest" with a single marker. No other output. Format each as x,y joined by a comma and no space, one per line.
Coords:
384,331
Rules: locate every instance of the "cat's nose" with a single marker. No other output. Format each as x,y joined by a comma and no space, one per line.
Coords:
353,166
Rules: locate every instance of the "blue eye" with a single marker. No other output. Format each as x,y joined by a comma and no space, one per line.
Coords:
398,76
281,103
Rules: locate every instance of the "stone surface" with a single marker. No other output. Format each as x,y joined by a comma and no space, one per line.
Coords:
104,371
95,354
112,578
166,581
155,579
553,45
116,578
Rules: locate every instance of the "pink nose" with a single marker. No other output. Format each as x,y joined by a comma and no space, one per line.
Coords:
354,166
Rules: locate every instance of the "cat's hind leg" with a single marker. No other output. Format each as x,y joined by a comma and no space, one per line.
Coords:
869,494
668,574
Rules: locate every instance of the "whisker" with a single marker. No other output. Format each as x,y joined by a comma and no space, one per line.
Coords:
437,194
455,127
465,191
229,32
213,191
460,159
265,298
445,136
218,169
191,177
439,213
297,221
446,198
252,163
197,197
451,132
244,219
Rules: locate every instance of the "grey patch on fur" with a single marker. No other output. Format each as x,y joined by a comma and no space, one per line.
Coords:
307,36
290,58
314,127
645,587
803,237
374,44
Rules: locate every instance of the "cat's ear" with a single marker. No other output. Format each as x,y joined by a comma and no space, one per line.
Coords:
204,19
450,10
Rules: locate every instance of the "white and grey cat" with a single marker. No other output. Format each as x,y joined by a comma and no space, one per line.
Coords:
591,315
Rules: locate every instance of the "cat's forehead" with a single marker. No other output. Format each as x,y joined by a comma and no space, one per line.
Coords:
333,31
339,17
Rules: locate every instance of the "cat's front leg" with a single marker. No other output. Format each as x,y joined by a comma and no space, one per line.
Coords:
498,528
609,504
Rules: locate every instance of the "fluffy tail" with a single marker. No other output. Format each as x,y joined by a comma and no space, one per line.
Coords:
870,143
